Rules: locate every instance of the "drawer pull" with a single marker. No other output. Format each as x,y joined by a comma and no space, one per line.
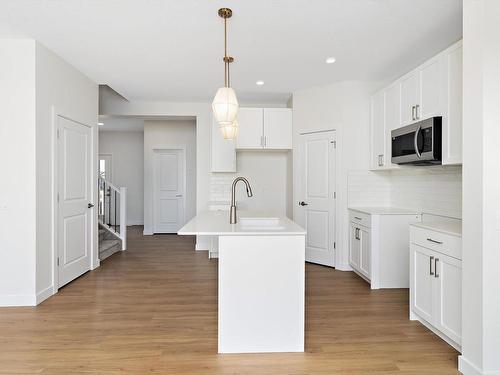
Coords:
357,218
434,241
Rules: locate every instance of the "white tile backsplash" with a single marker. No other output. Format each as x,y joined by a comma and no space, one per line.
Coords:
432,190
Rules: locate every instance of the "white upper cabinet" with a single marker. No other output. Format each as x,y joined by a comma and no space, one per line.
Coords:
277,128
432,89
264,128
222,151
409,98
250,128
377,131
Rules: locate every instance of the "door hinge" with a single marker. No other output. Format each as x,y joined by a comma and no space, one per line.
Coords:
334,195
334,245
58,261
57,197
57,133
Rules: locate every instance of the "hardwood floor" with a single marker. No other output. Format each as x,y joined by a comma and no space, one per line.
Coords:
153,310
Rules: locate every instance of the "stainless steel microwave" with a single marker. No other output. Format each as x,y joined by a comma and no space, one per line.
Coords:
418,143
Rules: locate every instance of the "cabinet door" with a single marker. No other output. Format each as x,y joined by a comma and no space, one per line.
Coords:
452,124
409,98
448,296
222,151
250,128
354,248
278,128
392,119
366,253
422,281
377,131
431,89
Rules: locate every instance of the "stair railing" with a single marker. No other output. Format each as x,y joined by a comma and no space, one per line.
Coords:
112,209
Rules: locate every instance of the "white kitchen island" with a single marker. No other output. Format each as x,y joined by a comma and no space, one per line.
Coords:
261,280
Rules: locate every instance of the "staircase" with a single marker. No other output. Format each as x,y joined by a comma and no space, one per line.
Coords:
108,244
112,218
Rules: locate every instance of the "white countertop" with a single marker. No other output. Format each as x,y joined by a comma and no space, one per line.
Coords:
216,223
385,210
453,228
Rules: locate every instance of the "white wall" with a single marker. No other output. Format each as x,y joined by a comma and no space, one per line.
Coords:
169,135
127,150
268,174
18,182
36,83
62,88
344,107
203,114
481,189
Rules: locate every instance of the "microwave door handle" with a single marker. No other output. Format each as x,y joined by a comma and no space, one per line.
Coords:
415,142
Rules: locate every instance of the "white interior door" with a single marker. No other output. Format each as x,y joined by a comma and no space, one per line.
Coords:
316,195
75,197
169,191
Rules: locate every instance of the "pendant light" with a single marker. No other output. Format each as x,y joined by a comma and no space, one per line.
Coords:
225,104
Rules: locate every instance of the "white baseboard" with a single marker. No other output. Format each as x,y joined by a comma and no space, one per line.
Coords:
18,300
468,368
44,294
343,267
147,232
135,222
200,247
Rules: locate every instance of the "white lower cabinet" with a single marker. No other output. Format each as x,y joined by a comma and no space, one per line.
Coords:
436,284
378,246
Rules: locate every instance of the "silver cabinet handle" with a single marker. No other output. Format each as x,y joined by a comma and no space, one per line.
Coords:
435,267
357,234
179,195
417,115
357,218
381,160
430,266
413,113
434,241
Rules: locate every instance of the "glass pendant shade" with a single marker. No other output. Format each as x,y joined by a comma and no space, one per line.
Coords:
229,131
225,106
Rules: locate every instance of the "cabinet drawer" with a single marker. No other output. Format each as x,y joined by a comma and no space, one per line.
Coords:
437,241
360,218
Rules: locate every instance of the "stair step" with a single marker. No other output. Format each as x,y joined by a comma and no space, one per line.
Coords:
108,247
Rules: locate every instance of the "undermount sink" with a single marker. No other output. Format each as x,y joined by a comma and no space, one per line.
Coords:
261,223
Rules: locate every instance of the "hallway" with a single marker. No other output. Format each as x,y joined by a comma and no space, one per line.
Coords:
153,309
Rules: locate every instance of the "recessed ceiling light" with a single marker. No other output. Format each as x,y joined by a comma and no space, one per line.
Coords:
259,83
100,123
331,60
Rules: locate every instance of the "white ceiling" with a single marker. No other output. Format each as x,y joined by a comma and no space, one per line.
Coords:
172,50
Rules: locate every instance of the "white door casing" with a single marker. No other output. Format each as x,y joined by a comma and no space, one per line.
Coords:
169,185
316,195
74,187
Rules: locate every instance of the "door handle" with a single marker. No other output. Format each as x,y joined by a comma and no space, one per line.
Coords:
90,205
303,204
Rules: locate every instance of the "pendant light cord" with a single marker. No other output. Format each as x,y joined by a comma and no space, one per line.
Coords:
227,81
